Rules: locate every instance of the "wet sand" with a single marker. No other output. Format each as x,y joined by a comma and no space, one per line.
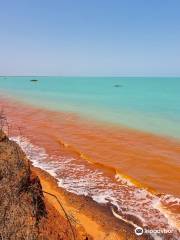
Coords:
96,220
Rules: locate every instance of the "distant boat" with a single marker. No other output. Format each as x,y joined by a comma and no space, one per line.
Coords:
34,80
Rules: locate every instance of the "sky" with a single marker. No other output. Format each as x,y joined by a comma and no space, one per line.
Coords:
90,37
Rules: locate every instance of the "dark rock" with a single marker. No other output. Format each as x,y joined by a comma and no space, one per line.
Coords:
34,80
118,85
2,136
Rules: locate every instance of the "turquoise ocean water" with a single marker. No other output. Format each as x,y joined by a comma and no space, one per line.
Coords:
150,104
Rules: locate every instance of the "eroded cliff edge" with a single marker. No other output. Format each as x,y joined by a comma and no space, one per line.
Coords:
24,214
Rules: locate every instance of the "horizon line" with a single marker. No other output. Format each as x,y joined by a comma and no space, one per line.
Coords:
106,76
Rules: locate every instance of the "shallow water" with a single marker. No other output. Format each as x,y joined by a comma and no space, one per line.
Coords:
44,137
112,164
149,104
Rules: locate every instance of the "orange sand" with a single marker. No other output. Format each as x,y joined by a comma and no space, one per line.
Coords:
97,221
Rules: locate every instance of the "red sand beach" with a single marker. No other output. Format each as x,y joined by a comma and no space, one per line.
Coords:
142,160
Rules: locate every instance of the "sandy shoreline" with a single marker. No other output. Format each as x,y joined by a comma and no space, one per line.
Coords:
62,145
94,219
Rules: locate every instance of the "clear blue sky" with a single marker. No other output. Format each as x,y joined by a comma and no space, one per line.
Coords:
90,37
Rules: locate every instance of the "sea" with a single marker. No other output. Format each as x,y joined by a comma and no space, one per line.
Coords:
114,139
146,103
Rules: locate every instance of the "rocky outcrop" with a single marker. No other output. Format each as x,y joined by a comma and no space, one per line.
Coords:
21,199
24,212
34,80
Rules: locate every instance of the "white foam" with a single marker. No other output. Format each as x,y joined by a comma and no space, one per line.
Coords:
100,198
173,220
36,154
170,199
123,219
123,179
